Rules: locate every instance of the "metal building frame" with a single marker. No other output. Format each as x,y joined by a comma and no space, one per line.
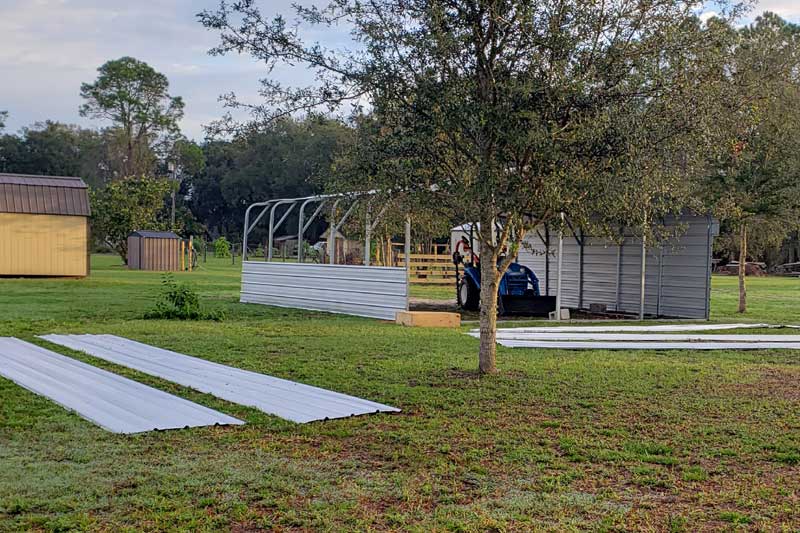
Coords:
363,290
321,200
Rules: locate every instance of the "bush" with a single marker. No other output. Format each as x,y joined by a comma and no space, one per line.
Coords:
179,301
222,248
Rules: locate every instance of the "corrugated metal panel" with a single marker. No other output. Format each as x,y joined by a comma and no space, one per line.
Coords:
133,253
115,403
626,327
161,253
579,336
52,181
677,276
376,292
599,345
43,195
286,399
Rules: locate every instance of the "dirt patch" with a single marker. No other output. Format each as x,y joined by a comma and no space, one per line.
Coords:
772,382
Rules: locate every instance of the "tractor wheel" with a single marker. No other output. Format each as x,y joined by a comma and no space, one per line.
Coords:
469,297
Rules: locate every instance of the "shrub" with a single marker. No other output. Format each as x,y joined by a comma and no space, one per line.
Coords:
222,248
179,301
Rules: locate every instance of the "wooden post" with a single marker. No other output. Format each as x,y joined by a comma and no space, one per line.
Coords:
191,250
183,259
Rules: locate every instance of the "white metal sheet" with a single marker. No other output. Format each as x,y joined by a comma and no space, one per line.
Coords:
375,292
670,337
646,328
113,402
287,399
622,345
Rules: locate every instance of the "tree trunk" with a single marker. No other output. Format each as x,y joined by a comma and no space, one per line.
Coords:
487,356
742,269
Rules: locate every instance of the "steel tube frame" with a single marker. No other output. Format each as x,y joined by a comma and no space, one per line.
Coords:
560,264
643,275
249,227
335,228
303,224
273,226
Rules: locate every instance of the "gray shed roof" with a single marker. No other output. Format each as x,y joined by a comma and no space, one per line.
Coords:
147,234
43,195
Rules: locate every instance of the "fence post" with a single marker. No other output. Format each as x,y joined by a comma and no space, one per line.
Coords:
367,236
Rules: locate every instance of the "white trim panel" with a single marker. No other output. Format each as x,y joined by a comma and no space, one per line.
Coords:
375,292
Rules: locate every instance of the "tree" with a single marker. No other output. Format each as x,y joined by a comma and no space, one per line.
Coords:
126,205
755,183
55,148
506,112
3,118
135,97
286,159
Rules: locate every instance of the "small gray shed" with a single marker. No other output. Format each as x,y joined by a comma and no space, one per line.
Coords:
597,271
154,250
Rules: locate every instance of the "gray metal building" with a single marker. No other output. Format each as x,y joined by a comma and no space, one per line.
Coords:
595,270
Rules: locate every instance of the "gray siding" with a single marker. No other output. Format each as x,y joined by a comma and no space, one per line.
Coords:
376,292
677,274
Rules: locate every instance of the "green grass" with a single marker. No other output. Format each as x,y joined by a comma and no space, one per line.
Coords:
558,441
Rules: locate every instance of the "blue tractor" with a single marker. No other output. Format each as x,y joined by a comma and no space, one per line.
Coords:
518,292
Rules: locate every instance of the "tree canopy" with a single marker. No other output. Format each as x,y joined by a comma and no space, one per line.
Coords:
754,178
135,98
133,203
503,110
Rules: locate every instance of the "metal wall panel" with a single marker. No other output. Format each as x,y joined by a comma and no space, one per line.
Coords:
112,402
376,292
154,253
677,274
287,399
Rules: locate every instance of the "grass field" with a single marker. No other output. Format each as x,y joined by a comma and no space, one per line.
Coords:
558,441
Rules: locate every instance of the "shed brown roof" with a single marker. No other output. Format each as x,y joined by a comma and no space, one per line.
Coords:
43,195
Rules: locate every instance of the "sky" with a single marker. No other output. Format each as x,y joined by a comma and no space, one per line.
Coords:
49,47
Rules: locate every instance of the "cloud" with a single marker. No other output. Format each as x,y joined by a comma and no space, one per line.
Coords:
706,15
788,9
49,47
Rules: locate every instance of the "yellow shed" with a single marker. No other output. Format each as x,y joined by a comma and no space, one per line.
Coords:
44,226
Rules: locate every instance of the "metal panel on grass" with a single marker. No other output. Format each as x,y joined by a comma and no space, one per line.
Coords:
376,292
287,399
652,345
114,403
